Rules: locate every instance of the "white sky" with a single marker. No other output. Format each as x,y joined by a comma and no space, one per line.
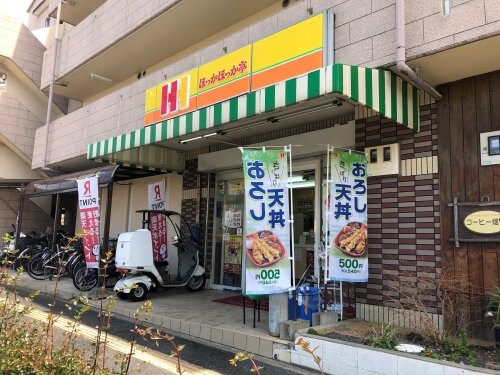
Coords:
15,9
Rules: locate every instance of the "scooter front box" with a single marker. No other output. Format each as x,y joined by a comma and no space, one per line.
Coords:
134,250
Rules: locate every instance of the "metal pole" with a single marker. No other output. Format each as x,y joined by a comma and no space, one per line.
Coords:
56,220
19,217
292,233
206,223
51,86
327,223
104,246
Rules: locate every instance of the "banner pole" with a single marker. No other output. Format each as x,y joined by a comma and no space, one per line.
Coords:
327,226
292,234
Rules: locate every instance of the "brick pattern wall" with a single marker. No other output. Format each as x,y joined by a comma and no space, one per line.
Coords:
33,217
18,124
189,208
403,213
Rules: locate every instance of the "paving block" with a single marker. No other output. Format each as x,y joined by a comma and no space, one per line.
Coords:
326,317
288,328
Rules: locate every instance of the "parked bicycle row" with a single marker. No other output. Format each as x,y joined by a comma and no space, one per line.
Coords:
42,261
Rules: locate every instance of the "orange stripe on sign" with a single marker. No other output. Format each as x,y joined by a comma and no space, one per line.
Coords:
287,70
149,118
154,116
224,92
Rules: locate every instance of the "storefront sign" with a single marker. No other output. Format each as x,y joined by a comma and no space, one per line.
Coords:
483,222
232,254
348,231
475,221
267,228
158,222
88,200
292,52
224,78
171,98
289,53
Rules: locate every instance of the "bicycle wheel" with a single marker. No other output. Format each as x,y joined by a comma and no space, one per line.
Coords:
75,264
40,267
85,278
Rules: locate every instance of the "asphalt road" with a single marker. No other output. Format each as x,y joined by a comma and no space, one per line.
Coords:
195,352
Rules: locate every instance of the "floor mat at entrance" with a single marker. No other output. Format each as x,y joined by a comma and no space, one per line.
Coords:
238,301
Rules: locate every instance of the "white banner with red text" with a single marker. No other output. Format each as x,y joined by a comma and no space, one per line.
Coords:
157,221
88,200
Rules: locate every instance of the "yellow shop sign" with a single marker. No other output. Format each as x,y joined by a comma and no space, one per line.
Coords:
483,222
171,98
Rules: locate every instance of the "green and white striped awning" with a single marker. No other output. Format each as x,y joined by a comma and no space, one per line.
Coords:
380,90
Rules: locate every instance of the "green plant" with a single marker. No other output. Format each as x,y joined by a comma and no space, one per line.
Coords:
429,353
386,339
243,356
29,346
305,345
312,331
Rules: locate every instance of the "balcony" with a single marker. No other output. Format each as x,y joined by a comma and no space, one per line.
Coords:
121,39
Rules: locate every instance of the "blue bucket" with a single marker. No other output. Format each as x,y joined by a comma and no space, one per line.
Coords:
307,302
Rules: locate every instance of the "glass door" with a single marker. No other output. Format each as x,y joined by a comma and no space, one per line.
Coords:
228,239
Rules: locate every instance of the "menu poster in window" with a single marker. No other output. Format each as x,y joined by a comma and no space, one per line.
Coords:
235,188
88,201
232,218
232,254
267,225
158,221
348,229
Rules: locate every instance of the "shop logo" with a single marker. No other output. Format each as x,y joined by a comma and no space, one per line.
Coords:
175,96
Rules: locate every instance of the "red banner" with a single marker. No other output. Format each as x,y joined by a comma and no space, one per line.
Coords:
158,222
88,200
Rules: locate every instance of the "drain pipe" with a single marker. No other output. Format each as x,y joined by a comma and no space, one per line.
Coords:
51,86
401,53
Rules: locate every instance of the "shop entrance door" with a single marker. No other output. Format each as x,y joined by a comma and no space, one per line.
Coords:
228,228
307,212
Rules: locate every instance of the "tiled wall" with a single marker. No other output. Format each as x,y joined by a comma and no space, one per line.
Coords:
20,45
18,124
403,214
364,29
33,217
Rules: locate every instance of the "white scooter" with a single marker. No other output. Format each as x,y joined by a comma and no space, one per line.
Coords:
134,255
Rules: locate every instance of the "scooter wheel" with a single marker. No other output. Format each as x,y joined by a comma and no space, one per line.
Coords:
196,283
122,295
138,293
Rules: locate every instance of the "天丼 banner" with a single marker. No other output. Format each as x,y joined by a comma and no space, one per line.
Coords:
158,222
88,200
267,228
348,230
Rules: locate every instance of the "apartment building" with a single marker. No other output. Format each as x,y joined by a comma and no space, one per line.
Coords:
413,83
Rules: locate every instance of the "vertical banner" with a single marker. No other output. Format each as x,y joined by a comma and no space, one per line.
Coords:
88,200
267,226
158,222
347,222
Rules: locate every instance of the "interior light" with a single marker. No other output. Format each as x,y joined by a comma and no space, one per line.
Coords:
190,140
209,135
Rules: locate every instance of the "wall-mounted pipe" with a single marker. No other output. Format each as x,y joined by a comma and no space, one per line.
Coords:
51,86
401,53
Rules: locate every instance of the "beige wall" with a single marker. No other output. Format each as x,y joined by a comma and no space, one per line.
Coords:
132,195
20,45
13,167
364,35
33,217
